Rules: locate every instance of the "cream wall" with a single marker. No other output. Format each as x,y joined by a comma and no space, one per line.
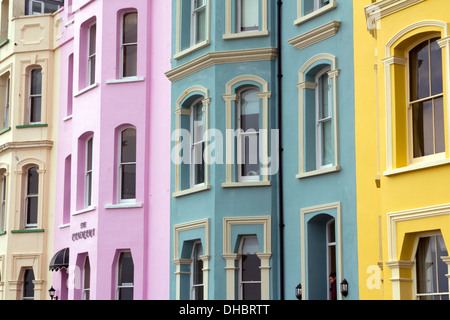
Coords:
31,42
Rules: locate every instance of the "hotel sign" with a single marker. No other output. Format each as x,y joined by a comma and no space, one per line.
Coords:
83,234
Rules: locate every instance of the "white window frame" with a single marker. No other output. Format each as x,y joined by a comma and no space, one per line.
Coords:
319,120
121,164
3,202
91,57
241,138
193,170
42,3
84,289
301,18
410,134
7,102
31,96
88,178
126,285
27,196
123,45
194,21
241,282
193,270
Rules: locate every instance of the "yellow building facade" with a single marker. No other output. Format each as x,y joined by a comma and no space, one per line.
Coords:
29,71
402,85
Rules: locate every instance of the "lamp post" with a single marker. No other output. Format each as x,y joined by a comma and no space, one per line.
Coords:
344,288
51,292
298,291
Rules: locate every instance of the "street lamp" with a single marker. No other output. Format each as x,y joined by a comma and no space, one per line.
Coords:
344,288
51,292
298,291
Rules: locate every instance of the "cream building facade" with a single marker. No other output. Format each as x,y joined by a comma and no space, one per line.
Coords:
28,90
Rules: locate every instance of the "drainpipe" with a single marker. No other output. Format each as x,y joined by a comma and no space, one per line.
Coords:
280,150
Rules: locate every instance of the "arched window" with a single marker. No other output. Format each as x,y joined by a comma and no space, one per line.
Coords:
129,44
3,200
35,96
431,280
249,269
31,197
197,284
198,128
127,165
125,276
28,285
86,279
248,125
88,173
426,99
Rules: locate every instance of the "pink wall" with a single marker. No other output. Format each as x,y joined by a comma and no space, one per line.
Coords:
101,110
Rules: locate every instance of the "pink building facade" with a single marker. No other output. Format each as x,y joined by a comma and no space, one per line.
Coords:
112,203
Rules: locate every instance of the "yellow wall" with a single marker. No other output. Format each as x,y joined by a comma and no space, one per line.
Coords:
397,198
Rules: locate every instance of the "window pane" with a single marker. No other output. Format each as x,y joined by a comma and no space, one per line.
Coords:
250,267
28,285
32,208
198,125
250,167
198,267
249,15
439,124
126,268
327,143
251,291
36,81
420,72
423,129
201,26
198,152
126,293
249,110
89,155
36,7
33,181
130,60
50,7
198,293
128,145
35,109
128,181
92,39
88,189
91,75
130,27
324,90
436,68
441,251
87,274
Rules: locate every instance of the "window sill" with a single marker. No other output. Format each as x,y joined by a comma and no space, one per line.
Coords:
189,50
243,35
92,86
5,130
4,42
67,118
246,184
123,205
33,125
417,166
88,209
125,80
332,5
2,233
183,193
28,231
318,172
66,225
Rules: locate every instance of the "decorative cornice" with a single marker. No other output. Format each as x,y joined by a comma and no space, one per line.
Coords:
26,144
316,35
222,57
384,8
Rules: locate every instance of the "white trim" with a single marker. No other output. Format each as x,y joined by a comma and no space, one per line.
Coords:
85,89
125,80
316,35
88,209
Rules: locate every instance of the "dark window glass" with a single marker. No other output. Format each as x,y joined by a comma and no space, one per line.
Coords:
28,285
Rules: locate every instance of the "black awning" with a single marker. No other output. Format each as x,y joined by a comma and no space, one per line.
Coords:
60,260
